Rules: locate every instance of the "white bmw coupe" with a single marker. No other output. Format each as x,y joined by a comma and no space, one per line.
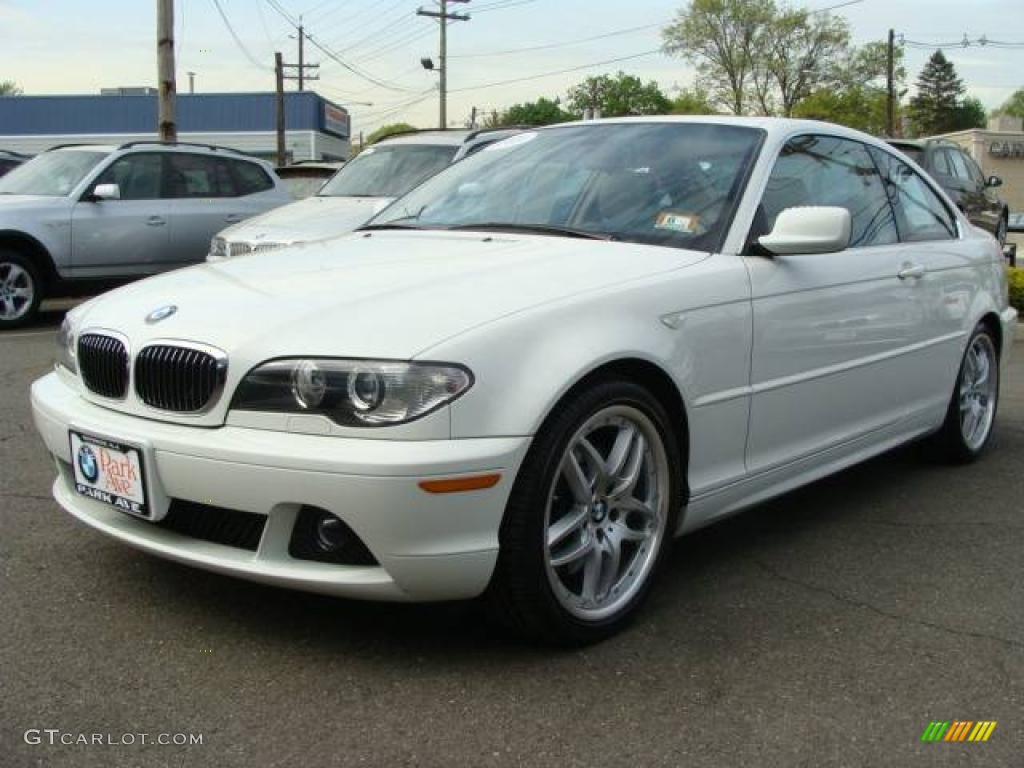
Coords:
528,375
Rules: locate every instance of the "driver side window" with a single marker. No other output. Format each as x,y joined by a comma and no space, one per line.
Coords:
139,176
829,171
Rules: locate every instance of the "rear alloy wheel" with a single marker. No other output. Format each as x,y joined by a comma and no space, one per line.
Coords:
972,408
20,292
590,517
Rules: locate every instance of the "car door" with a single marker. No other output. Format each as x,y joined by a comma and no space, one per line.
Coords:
833,332
203,201
972,194
989,203
930,238
126,236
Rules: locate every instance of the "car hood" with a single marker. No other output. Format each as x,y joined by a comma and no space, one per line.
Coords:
314,218
19,203
388,295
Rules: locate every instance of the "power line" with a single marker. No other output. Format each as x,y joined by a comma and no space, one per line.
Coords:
557,72
965,42
252,59
549,46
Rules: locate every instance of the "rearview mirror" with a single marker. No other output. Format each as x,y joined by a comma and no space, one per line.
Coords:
993,181
106,192
807,230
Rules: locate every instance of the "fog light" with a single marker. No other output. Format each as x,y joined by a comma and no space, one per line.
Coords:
330,533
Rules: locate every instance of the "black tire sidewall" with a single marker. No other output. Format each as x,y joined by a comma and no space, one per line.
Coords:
13,257
522,557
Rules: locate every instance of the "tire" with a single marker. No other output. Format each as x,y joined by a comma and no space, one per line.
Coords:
558,579
1001,230
21,290
970,417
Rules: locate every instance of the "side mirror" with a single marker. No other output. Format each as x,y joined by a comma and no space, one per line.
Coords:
807,230
993,181
106,192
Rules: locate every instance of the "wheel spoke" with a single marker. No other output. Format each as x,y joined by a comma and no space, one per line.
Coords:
596,461
591,575
577,480
621,450
627,480
562,527
611,557
585,548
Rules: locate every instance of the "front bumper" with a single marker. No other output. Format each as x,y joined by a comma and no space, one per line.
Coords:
428,546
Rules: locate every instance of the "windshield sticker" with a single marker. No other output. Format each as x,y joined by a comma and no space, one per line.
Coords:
677,222
512,141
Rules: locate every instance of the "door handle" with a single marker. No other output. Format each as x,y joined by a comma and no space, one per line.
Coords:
156,221
908,270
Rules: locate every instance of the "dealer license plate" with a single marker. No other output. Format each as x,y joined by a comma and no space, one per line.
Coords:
109,472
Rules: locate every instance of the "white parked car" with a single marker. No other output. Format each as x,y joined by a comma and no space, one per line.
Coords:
355,194
535,370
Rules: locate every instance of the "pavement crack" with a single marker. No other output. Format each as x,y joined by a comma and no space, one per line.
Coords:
849,600
1004,524
42,497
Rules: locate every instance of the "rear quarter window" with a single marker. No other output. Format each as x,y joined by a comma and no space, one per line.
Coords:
250,178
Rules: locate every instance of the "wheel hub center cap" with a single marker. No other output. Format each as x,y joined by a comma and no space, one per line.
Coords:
599,511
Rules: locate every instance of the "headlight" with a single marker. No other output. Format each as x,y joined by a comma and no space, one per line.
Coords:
66,346
353,393
218,248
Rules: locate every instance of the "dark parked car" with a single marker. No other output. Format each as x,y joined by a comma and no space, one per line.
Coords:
11,160
306,177
963,181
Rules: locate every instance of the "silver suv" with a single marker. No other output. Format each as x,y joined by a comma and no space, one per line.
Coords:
77,218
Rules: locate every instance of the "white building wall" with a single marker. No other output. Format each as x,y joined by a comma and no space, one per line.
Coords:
300,145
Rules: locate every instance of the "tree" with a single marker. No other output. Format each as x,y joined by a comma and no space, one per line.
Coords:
1014,106
934,109
388,130
618,96
540,112
799,52
856,106
9,88
692,101
969,113
722,39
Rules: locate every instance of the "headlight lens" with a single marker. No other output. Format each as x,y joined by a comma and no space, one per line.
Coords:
66,346
353,393
218,248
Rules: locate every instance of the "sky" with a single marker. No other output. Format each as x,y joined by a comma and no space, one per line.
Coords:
80,46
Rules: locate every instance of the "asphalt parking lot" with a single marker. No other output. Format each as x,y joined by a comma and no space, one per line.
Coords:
826,628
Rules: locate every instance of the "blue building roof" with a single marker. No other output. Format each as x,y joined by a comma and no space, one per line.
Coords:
196,113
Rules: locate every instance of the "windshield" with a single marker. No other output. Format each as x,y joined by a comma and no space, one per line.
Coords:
389,170
660,183
912,151
51,174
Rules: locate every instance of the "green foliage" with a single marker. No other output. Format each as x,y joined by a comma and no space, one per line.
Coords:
9,88
970,113
618,96
935,107
388,130
855,106
693,101
540,112
1014,106
1016,279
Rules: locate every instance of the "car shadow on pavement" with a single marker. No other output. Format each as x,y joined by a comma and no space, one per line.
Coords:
291,620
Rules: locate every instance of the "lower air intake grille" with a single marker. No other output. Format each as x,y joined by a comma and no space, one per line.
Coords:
103,361
179,379
229,527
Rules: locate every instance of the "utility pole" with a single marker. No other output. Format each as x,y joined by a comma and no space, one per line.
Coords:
279,104
302,61
890,86
166,126
443,18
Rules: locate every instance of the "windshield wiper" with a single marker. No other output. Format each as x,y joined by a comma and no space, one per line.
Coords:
390,225
537,229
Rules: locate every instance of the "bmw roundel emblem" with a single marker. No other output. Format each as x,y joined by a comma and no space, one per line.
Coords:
161,314
87,463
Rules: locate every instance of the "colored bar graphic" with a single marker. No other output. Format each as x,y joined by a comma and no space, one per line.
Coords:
959,730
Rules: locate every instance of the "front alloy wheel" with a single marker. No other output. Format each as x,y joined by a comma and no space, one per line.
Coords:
590,517
19,290
606,512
